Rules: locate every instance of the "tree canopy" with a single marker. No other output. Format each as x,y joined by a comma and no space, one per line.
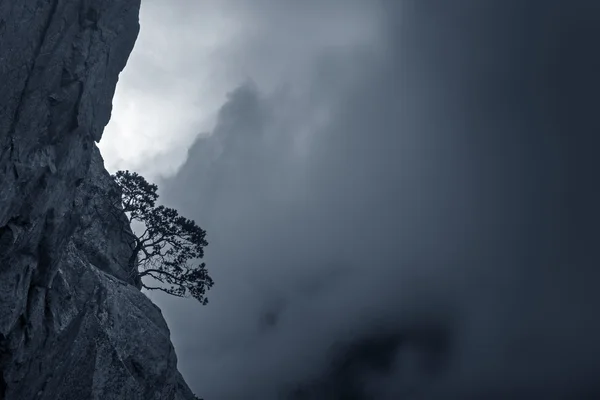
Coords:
169,247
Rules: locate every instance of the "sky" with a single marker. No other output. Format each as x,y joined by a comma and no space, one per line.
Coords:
398,196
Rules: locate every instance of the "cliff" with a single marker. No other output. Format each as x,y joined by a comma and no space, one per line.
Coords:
73,323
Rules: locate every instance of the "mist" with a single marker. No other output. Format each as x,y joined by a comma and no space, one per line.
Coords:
410,212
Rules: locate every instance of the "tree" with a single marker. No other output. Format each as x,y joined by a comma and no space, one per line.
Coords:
169,246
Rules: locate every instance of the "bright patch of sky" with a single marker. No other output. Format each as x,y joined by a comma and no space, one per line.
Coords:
189,55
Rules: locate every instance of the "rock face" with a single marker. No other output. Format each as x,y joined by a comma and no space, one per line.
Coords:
73,323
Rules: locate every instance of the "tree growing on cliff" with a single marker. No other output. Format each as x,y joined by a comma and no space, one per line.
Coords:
169,247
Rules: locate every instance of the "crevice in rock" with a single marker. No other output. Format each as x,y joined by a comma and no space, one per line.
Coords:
2,386
136,370
7,239
39,45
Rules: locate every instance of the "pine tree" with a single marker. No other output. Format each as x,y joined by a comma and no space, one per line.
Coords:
170,245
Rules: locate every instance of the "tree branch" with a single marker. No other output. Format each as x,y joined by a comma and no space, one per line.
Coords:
151,271
163,290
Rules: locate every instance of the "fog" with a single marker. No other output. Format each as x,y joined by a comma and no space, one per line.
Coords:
399,199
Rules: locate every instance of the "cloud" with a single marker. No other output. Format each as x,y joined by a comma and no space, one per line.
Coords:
190,54
405,217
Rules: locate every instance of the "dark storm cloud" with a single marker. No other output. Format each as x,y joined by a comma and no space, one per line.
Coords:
419,220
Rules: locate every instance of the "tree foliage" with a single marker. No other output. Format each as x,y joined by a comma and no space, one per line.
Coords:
170,245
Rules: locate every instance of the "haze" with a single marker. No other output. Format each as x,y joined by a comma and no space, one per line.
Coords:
400,196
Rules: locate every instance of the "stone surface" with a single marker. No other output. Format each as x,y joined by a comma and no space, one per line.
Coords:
101,225
73,323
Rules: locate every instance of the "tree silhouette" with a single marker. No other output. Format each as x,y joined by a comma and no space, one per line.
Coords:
169,246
